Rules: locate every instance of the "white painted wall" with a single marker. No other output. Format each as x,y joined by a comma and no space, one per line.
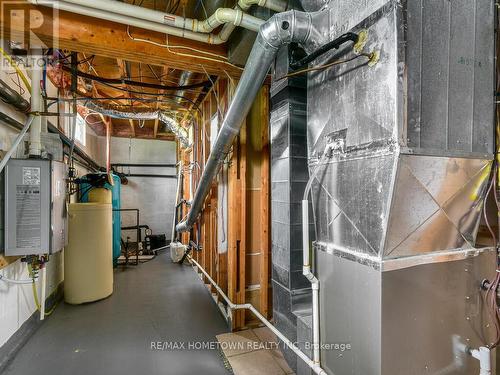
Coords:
154,197
16,302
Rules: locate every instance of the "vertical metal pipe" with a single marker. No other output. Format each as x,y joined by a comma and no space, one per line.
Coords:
251,81
279,30
35,147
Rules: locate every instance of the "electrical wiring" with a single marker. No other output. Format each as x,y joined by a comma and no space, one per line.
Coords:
148,93
114,98
118,81
64,58
22,91
216,94
371,56
220,58
16,68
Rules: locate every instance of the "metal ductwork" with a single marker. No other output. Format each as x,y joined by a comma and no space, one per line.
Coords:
397,204
164,117
400,156
281,29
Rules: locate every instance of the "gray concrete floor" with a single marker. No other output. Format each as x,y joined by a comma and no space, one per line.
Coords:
158,301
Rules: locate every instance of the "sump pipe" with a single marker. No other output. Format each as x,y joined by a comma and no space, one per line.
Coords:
281,29
247,306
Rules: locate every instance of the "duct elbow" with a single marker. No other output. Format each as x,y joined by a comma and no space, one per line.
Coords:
182,226
284,28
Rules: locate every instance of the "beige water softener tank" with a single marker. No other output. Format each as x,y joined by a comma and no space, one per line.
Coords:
88,260
100,195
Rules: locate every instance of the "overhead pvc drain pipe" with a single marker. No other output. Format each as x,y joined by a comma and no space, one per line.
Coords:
220,16
170,24
276,5
247,306
281,29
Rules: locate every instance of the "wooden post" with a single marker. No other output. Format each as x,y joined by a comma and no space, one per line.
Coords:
265,220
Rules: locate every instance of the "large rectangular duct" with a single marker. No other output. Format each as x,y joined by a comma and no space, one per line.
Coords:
397,206
288,129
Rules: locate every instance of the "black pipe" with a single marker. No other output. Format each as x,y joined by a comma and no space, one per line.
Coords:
150,175
118,81
138,233
334,44
143,165
10,121
74,71
9,96
143,226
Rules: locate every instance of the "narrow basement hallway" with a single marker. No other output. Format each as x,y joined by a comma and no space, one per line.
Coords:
159,301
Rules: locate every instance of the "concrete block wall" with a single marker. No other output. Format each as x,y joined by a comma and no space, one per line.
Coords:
154,197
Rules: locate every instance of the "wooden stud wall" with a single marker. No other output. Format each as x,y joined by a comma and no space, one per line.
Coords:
243,271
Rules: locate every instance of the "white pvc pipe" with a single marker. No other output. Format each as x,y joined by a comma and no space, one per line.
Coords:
177,197
149,19
43,292
220,16
483,355
306,271
276,5
35,146
314,366
17,282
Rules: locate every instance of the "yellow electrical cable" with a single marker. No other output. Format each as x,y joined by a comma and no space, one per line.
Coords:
16,67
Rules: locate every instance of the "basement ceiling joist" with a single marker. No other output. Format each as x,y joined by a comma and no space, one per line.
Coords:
98,37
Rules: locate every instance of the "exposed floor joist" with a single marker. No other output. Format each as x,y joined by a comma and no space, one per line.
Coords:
109,39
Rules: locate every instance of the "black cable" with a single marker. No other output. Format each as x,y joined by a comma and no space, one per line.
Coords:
147,93
118,81
334,44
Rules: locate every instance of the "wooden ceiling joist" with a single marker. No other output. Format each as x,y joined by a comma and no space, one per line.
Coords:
132,127
109,39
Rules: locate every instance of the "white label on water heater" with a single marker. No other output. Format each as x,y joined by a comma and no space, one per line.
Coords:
31,176
28,217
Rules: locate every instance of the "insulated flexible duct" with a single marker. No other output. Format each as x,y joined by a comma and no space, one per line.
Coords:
171,123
